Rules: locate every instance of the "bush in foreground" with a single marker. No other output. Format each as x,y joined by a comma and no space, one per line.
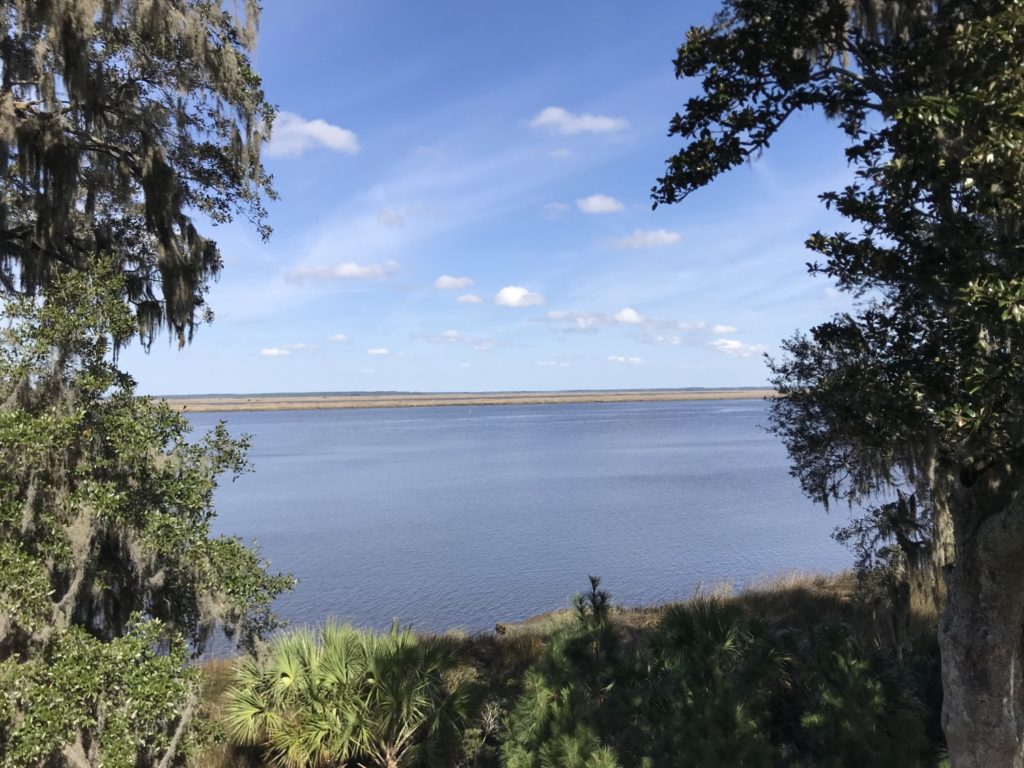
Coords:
791,676
347,695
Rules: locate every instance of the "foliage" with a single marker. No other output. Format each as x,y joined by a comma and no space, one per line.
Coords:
927,364
858,705
105,538
569,696
351,695
116,703
119,123
717,675
716,684
892,544
918,387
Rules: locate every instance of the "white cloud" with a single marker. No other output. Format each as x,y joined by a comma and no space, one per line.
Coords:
284,350
648,238
517,296
724,329
663,339
455,337
628,316
562,121
580,322
469,298
391,219
621,359
465,365
737,348
348,270
292,135
588,322
448,337
379,351
585,322
554,364
450,283
338,337
554,211
599,204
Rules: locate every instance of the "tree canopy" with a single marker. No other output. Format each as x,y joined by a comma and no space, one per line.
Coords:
929,363
106,551
921,384
122,124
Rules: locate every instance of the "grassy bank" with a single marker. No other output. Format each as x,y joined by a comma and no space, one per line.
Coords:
506,665
298,402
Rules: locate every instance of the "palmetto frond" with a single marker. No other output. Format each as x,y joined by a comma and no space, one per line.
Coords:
346,694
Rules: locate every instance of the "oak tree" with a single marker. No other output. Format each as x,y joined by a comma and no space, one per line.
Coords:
125,128
921,385
122,124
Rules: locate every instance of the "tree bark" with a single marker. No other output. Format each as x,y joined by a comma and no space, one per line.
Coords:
981,630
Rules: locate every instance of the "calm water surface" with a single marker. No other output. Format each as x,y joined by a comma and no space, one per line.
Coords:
467,516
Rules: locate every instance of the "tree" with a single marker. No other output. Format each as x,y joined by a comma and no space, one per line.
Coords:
351,695
716,676
110,579
119,123
577,707
921,386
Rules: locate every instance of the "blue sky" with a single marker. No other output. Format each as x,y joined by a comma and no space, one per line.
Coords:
464,205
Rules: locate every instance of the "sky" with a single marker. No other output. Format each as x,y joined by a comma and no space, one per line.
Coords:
465,206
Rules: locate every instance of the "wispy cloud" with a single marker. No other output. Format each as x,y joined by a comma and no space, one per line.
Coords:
391,219
554,211
285,350
293,135
450,283
448,337
564,122
648,238
517,296
589,322
669,333
627,360
469,298
737,348
348,270
580,322
338,337
649,330
378,351
455,337
599,204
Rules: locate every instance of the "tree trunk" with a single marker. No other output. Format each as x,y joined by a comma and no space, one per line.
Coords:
981,630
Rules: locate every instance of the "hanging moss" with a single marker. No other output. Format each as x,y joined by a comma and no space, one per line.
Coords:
119,121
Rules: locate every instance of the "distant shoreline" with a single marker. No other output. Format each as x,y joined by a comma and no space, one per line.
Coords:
297,402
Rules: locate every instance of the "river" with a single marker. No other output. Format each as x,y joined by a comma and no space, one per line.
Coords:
463,517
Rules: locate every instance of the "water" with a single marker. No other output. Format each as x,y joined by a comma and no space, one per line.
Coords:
468,516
